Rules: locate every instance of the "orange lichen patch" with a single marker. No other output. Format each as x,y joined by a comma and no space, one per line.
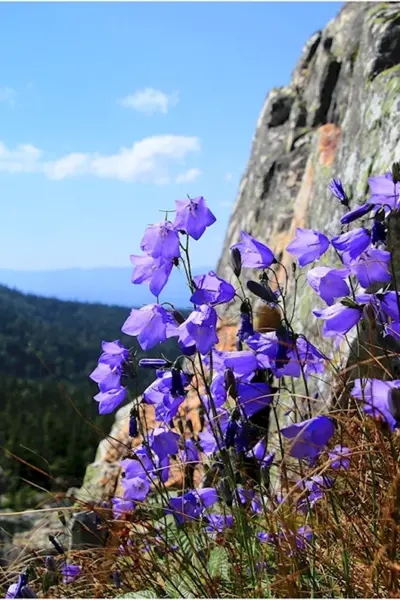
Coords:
329,136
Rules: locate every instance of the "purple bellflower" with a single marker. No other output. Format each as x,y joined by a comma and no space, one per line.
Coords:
340,456
352,244
199,329
308,245
384,190
375,395
163,442
253,397
114,354
217,523
254,255
121,507
193,217
161,241
151,324
154,271
329,283
339,319
212,290
110,399
309,437
372,266
70,572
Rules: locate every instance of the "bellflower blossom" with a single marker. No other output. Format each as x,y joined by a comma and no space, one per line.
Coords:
254,255
211,289
339,319
372,266
192,505
113,354
253,397
384,190
70,572
161,241
341,457
309,437
352,244
193,217
163,442
109,400
375,395
121,507
151,324
329,283
217,523
199,329
308,245
154,271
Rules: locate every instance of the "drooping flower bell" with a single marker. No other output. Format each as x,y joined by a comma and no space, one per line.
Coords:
308,245
254,254
161,241
193,217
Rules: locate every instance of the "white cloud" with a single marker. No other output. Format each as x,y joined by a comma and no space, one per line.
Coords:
150,101
8,95
188,176
148,160
228,177
24,159
225,204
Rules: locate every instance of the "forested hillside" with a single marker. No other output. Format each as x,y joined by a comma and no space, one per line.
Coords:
48,417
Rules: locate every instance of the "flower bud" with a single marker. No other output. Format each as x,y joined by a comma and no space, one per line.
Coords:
230,434
262,290
133,426
230,383
178,317
236,261
177,388
50,563
57,544
396,172
117,579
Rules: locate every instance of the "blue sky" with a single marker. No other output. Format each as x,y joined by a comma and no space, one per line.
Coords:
111,112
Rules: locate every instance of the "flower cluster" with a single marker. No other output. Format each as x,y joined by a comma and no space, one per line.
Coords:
238,391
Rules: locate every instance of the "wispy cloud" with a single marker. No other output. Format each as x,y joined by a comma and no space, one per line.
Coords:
188,176
8,95
150,101
148,160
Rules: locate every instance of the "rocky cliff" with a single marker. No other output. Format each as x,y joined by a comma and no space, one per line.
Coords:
338,117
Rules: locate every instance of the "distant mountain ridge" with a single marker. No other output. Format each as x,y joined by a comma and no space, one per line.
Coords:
105,285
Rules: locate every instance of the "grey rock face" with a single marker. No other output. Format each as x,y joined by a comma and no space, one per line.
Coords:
344,121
